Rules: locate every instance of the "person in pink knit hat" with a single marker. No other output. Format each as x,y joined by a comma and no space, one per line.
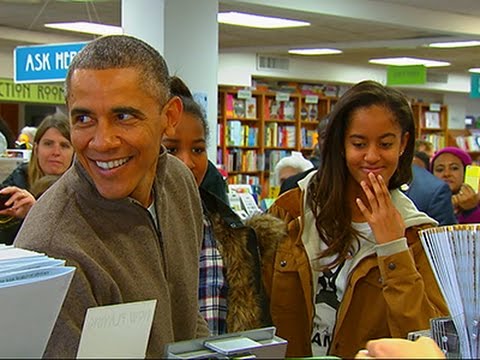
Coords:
449,164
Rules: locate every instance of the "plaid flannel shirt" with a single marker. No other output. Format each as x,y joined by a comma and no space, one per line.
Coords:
212,294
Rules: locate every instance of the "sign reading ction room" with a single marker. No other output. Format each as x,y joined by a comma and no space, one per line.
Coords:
44,63
31,93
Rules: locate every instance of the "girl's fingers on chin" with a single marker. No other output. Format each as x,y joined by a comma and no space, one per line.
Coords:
362,207
360,204
375,181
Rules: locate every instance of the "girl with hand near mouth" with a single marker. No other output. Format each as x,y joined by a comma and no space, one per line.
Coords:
353,267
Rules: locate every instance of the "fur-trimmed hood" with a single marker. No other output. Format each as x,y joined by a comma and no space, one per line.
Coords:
270,231
244,247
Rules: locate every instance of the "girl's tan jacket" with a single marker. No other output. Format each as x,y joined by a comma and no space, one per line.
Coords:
384,297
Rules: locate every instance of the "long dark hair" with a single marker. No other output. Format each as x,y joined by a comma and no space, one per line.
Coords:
327,190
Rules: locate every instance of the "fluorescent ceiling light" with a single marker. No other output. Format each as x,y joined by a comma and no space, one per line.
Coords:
257,21
454,44
405,61
322,51
87,27
474,70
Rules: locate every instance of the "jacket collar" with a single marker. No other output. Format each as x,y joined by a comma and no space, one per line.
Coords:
214,204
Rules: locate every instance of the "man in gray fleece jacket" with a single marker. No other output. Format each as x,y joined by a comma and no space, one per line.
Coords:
127,215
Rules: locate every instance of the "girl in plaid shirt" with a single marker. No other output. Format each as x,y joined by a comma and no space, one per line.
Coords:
231,292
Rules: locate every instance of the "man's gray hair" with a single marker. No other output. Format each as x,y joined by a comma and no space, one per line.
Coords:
122,51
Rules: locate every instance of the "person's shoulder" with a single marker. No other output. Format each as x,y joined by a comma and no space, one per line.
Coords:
47,222
292,181
176,171
18,177
51,207
175,167
176,180
424,176
289,202
424,173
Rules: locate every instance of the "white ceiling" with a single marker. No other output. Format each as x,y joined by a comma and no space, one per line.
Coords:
361,28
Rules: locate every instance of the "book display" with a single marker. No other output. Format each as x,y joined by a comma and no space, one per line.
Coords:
431,122
256,128
466,139
454,255
238,136
32,289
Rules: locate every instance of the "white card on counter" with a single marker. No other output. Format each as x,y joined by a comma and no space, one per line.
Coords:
117,331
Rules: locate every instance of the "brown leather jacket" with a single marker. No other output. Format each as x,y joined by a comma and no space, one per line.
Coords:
385,296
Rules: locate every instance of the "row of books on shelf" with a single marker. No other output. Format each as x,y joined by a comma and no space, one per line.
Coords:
273,109
239,135
244,179
240,108
308,137
431,120
468,143
333,90
244,160
279,136
272,157
239,160
437,140
279,110
309,112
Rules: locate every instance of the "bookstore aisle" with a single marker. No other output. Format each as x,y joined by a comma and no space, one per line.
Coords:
256,128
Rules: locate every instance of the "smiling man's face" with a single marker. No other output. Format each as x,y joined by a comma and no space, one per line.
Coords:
117,129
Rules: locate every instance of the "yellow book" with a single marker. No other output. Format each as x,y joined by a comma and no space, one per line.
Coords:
472,176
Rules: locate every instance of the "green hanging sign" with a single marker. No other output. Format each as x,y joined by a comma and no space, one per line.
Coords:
406,75
31,93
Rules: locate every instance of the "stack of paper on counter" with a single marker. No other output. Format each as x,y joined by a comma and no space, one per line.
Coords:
32,289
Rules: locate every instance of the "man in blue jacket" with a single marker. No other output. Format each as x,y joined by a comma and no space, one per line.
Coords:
431,195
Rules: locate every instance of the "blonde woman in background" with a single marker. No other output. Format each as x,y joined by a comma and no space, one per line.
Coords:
52,154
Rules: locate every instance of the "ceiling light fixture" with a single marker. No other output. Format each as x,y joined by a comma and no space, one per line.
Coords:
474,70
454,44
319,51
406,61
87,27
258,21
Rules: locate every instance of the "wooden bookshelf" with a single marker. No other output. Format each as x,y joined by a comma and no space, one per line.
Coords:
466,139
431,123
281,123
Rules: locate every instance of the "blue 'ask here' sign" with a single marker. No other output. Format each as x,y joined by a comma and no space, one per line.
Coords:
44,63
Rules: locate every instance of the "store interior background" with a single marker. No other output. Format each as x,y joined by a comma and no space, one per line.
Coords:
362,29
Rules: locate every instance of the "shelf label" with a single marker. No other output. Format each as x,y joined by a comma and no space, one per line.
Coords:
244,94
435,107
311,99
279,96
